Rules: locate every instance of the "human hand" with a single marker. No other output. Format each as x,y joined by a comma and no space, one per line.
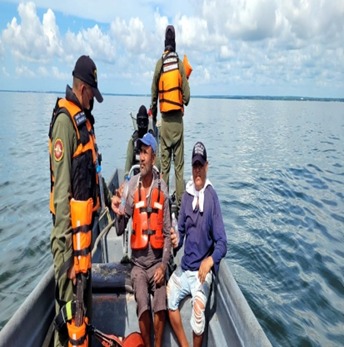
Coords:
119,190
174,238
159,275
71,274
115,202
205,267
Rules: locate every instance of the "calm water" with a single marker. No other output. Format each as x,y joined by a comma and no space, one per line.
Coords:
278,168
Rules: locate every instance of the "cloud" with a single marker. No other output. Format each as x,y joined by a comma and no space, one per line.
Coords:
233,43
5,72
90,41
31,40
24,71
130,34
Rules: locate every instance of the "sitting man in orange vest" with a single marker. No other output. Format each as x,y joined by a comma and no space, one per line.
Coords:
148,204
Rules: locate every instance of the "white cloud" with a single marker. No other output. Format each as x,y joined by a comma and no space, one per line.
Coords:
51,33
131,34
5,72
24,71
90,41
225,52
30,40
252,42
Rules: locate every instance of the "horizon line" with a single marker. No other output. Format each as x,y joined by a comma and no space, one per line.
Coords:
209,96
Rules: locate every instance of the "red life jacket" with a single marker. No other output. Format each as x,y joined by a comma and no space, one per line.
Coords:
148,221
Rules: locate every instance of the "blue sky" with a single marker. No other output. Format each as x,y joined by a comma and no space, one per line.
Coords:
236,47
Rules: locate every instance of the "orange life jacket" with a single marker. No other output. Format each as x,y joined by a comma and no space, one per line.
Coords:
147,224
84,158
170,82
187,66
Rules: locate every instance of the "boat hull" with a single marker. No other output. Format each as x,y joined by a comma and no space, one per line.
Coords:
231,321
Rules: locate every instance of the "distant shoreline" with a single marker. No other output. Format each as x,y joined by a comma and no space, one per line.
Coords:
233,97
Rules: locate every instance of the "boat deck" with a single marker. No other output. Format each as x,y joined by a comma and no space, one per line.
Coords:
114,305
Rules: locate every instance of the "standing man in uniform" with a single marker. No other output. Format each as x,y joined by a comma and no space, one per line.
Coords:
73,161
171,87
148,204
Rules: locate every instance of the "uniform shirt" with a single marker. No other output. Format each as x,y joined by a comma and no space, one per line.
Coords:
204,232
61,235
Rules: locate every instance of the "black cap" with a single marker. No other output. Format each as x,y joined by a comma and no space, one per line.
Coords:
85,69
170,38
199,153
142,112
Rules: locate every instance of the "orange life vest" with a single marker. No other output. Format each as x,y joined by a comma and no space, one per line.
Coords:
187,66
170,82
85,155
147,224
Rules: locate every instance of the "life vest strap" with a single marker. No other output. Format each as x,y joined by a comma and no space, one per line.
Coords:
170,102
149,210
82,229
84,251
170,90
65,267
77,342
66,314
149,232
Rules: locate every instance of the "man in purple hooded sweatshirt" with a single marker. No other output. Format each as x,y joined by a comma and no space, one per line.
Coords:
201,229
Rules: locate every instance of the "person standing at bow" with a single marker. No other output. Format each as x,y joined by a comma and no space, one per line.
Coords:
171,88
74,198
148,204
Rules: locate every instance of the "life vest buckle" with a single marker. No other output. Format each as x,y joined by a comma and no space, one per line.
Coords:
149,232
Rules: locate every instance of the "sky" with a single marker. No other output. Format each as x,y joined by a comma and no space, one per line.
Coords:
235,47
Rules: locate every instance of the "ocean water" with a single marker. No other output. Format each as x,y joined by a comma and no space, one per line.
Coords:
278,169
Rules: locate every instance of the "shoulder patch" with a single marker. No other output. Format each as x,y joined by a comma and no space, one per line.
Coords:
58,150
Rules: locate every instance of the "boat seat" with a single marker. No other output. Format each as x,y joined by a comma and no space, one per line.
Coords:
112,277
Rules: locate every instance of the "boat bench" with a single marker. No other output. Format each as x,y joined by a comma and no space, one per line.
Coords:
114,305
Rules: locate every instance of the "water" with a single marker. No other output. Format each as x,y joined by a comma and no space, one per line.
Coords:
278,168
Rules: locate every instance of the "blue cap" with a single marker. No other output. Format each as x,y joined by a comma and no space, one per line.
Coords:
149,140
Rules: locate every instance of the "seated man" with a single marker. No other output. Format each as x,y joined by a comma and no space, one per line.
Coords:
200,224
133,152
148,204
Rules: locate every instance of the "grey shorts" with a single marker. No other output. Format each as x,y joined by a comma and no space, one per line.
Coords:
144,286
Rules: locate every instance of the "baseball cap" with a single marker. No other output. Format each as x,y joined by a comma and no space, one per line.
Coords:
199,153
85,69
148,140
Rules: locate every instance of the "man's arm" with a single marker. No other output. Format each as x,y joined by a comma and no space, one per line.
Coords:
154,90
219,233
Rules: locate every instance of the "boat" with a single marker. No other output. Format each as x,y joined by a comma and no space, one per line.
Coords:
231,321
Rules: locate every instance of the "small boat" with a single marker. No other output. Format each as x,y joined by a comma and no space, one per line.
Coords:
231,321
